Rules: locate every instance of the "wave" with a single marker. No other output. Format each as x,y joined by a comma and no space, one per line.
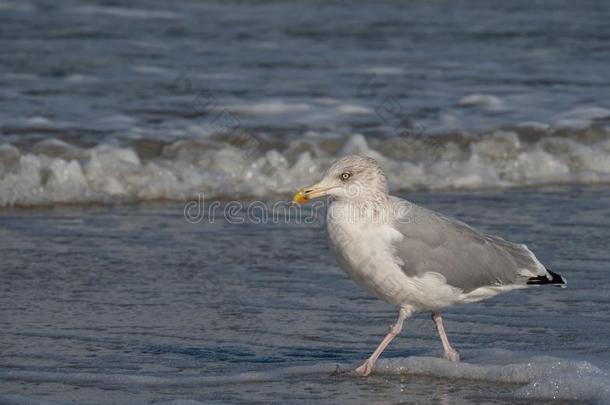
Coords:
239,165
121,12
488,101
540,377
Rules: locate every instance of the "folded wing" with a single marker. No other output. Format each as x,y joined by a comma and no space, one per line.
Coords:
465,257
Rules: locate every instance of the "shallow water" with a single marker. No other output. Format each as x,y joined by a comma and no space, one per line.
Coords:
134,304
109,297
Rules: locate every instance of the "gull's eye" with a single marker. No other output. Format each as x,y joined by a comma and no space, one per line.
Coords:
345,176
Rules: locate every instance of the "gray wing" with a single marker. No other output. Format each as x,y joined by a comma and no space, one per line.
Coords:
467,258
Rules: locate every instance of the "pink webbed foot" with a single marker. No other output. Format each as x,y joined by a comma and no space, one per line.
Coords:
365,369
452,355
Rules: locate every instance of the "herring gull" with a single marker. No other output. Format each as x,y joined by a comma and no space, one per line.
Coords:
413,257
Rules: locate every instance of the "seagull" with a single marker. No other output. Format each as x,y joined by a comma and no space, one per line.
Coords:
413,257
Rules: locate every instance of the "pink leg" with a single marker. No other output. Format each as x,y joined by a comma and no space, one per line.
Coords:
367,367
450,353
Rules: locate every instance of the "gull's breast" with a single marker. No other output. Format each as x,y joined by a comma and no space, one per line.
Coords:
365,252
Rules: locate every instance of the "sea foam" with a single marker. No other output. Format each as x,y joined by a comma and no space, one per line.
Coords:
53,171
533,377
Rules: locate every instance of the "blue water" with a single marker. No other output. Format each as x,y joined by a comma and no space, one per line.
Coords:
99,71
114,115
135,304
148,101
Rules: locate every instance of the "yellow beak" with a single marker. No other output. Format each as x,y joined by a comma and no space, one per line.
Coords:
300,197
307,193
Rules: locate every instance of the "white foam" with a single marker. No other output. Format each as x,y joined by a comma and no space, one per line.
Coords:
354,109
326,101
269,107
80,78
123,12
534,125
580,118
487,101
541,377
533,377
38,120
56,172
386,70
150,69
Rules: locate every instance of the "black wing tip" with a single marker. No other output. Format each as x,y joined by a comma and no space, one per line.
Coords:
556,280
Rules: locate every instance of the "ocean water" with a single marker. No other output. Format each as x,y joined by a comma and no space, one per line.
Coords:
122,125
105,102
135,304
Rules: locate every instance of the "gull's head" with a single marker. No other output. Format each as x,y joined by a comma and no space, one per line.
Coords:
352,178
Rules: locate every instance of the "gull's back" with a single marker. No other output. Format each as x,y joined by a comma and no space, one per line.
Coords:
466,258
